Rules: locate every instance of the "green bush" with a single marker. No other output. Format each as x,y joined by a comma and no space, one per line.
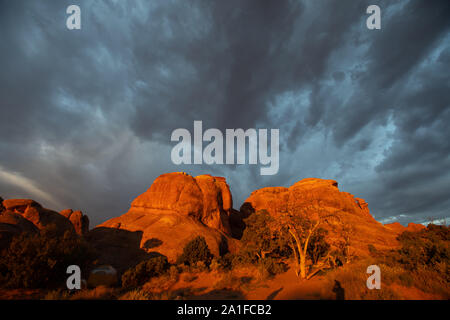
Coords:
40,260
145,270
195,250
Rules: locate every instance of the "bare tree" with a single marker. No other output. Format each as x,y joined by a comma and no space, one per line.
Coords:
346,232
301,224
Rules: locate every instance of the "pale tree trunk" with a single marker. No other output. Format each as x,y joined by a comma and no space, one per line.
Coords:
297,266
303,251
302,266
302,256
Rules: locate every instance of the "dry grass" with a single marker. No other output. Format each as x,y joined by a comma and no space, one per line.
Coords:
353,277
99,293
57,295
159,284
136,294
396,283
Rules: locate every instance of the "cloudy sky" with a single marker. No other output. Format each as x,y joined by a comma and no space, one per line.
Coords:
86,115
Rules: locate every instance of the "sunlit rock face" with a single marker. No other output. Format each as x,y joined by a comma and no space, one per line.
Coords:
176,208
399,228
323,198
79,220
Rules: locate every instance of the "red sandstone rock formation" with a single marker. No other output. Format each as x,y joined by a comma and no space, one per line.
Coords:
36,214
415,227
398,228
12,224
26,215
322,197
178,207
79,220
175,209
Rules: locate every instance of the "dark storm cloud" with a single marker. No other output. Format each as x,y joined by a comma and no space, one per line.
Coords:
87,115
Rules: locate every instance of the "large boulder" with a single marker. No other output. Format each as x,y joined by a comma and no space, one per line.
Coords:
175,209
40,217
322,198
204,198
20,205
176,192
105,275
117,247
217,202
12,224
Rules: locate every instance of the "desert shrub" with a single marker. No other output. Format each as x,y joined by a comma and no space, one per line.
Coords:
183,268
135,294
145,270
58,294
273,267
258,237
173,273
159,284
424,257
98,293
226,261
228,281
352,278
431,281
243,258
223,263
422,262
372,250
199,266
214,266
40,260
318,247
262,241
429,248
406,279
390,273
195,250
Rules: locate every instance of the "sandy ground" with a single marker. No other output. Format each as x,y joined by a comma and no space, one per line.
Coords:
241,284
284,286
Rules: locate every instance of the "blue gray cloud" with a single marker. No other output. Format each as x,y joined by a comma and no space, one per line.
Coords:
86,115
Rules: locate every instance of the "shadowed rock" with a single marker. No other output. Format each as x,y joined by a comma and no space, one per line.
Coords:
12,224
118,248
79,220
39,216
